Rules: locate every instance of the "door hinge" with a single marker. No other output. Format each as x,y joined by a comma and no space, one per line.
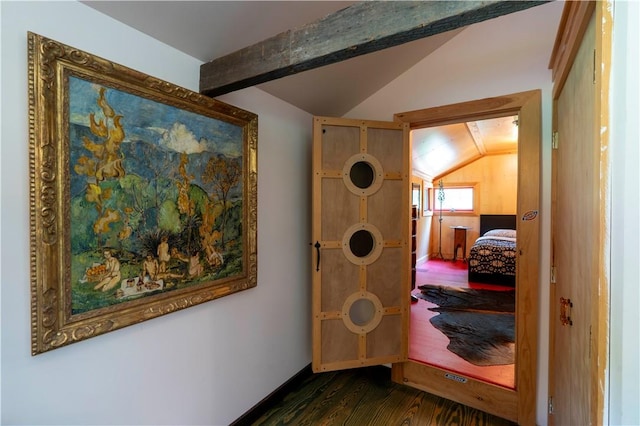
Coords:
550,405
554,140
553,275
594,66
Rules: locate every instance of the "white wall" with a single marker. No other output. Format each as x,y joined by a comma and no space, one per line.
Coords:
204,365
624,374
483,62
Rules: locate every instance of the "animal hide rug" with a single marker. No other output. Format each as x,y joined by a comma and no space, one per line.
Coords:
480,324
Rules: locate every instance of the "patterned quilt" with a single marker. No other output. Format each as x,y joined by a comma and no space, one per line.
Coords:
493,255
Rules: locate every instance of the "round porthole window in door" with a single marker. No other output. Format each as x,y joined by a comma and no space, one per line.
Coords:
362,312
362,244
362,174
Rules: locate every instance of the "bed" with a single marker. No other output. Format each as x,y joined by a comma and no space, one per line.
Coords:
492,258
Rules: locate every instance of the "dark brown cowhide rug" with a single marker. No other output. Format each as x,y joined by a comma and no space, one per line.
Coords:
480,324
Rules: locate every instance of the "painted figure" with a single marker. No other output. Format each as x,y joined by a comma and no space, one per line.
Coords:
163,254
214,258
112,275
150,268
194,267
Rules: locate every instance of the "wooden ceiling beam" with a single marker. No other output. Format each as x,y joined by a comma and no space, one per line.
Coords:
362,28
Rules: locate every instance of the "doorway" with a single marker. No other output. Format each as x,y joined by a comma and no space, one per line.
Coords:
469,170
516,404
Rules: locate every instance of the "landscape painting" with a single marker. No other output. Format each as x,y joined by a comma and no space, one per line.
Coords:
155,193
150,206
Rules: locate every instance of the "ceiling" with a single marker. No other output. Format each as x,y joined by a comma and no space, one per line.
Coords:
440,150
208,30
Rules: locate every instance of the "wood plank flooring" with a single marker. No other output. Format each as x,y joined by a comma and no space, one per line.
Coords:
367,396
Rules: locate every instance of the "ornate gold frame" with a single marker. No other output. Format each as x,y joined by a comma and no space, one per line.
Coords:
53,323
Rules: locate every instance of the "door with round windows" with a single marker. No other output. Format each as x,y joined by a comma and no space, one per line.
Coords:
361,256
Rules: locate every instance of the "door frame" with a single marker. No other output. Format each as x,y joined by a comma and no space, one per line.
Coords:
518,404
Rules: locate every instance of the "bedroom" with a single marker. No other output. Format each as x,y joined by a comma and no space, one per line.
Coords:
479,161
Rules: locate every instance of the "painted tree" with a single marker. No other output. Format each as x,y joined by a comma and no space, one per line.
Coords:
103,164
186,205
224,173
209,235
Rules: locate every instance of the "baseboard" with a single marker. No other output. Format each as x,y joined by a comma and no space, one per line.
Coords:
273,398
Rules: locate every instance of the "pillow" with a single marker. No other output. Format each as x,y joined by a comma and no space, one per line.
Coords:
509,233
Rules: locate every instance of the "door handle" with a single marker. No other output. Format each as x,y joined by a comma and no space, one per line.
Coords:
317,246
565,305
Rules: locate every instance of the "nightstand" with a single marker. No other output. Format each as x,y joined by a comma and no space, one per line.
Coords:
460,241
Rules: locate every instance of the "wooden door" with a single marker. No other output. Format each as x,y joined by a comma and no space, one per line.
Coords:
575,239
579,220
361,253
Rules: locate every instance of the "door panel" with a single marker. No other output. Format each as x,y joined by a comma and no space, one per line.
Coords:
344,212
361,258
385,208
575,236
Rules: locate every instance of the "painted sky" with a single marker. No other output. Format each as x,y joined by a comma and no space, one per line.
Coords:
151,121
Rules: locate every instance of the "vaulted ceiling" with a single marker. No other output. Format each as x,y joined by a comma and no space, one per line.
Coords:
211,29
208,30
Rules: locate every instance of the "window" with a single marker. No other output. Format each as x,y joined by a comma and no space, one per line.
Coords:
458,198
427,197
416,196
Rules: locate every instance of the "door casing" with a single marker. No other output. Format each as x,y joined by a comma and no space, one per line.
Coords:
518,404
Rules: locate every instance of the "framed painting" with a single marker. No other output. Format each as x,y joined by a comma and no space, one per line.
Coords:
143,196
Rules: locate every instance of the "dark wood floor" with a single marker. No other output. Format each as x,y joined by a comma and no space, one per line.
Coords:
366,396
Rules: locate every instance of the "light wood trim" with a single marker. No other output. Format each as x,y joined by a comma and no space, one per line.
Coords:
363,278
335,174
362,346
600,294
481,109
476,136
573,23
552,285
406,267
363,138
363,209
553,313
330,245
316,236
492,399
528,106
356,363
476,198
377,124
392,176
330,315
528,268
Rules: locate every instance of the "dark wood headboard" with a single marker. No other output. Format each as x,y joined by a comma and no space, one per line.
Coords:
496,221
